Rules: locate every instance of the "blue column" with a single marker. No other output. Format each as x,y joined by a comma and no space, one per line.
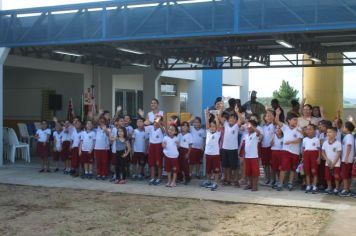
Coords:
3,55
212,88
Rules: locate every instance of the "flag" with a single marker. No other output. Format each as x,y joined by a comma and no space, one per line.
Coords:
82,107
70,114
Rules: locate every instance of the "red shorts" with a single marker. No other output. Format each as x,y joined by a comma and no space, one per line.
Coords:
289,161
354,170
310,162
346,169
171,165
42,150
242,149
65,154
56,155
266,156
213,164
138,158
328,176
87,158
276,158
75,158
195,156
155,155
252,168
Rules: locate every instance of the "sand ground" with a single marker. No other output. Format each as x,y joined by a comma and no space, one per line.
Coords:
28,211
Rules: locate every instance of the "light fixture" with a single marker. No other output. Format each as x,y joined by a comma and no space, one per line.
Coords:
314,59
284,44
130,50
68,53
141,65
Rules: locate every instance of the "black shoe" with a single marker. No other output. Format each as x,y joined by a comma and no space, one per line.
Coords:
41,170
104,178
56,170
48,171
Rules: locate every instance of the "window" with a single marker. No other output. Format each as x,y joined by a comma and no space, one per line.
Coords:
130,100
168,89
183,102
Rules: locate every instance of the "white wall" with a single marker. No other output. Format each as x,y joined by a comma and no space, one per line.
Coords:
238,77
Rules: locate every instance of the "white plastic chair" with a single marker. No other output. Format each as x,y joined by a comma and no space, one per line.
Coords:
25,136
14,144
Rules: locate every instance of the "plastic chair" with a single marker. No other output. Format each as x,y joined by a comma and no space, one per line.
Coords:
25,136
14,144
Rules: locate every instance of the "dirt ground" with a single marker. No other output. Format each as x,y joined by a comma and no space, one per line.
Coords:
56,211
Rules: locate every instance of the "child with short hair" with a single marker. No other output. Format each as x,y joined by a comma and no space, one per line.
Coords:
185,146
347,158
87,143
252,171
212,151
324,125
42,135
267,136
197,151
123,149
75,142
170,145
139,139
291,147
331,152
101,149
57,145
65,153
276,155
311,158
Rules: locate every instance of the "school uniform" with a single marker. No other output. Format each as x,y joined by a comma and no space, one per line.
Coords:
65,136
152,116
251,155
87,138
291,151
185,142
75,140
230,145
212,152
276,153
331,151
346,165
42,143
102,145
139,147
171,154
321,166
155,146
267,136
311,153
196,153
56,153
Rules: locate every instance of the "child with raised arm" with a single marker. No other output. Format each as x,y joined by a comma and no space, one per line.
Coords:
86,150
311,158
185,146
291,147
42,135
170,145
212,151
331,152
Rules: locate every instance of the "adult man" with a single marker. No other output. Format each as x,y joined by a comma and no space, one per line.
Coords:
254,107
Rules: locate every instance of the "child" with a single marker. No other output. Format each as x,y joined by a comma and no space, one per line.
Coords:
65,154
348,150
170,145
57,145
276,154
101,149
291,147
119,122
128,126
123,149
75,141
252,171
267,136
311,158
331,152
185,143
196,154
42,136
139,138
324,125
212,151
87,143
155,133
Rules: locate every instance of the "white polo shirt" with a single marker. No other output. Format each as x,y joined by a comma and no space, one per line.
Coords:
291,135
212,143
268,133
231,136
129,130
75,138
58,140
66,134
43,134
152,117
311,144
251,145
139,137
185,140
198,137
171,149
277,143
101,140
155,135
331,151
346,141
87,139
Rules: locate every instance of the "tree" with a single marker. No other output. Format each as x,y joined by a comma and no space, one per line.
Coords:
285,94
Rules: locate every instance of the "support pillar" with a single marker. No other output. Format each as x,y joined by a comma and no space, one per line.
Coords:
323,86
3,55
212,88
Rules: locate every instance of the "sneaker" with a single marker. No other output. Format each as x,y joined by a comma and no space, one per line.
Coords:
345,193
56,170
172,185
205,184
279,188
104,178
113,179
290,186
314,190
336,192
152,181
267,182
98,177
157,182
41,170
328,191
117,181
308,189
247,187
122,181
273,184
214,187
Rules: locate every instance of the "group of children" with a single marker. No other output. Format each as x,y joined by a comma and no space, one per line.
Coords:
232,145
